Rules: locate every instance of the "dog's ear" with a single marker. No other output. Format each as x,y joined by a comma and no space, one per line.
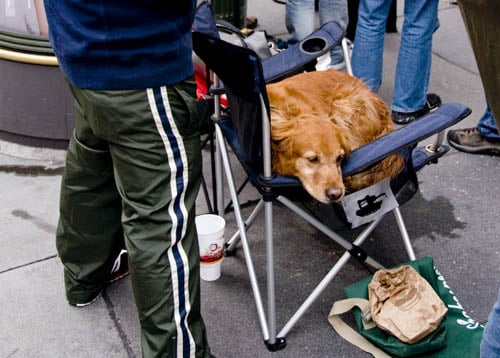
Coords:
282,127
344,142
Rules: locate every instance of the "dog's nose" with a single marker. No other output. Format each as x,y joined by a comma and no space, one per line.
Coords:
334,194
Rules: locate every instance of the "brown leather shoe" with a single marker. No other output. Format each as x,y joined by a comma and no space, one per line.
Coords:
471,141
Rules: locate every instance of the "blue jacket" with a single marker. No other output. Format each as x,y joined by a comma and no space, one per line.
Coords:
122,44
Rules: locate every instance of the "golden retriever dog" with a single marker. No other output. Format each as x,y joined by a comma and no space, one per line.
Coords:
317,119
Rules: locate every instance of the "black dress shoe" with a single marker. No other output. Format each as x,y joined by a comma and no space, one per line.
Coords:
433,102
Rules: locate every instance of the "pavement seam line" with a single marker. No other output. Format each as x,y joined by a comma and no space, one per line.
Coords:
116,321
29,264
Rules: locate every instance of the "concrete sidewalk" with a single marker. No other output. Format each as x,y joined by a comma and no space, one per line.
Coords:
454,219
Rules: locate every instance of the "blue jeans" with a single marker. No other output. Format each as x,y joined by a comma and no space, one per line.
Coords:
487,125
299,20
490,344
414,60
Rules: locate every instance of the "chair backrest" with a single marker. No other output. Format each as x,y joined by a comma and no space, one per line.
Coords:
240,70
204,20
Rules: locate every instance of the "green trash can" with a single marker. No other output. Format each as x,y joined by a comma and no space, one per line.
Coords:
232,11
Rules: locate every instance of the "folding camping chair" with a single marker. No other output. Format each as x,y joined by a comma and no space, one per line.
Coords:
247,131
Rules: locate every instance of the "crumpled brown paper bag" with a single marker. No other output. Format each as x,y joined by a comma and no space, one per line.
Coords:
404,304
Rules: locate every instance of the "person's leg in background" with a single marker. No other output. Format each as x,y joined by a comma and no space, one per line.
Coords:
333,10
300,22
415,54
481,21
487,126
367,55
490,343
89,234
352,10
299,19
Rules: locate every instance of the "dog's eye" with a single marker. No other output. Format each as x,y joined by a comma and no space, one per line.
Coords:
340,158
313,160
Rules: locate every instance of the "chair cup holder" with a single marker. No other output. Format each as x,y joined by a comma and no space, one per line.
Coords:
313,45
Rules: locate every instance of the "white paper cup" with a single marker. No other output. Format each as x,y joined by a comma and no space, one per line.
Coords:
210,272
210,229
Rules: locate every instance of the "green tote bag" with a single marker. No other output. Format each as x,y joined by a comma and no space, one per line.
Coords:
457,336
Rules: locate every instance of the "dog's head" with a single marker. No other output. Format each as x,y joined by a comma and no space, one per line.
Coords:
311,148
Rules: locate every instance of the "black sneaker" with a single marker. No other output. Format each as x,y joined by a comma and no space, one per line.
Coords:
118,271
433,102
469,140
120,267
83,304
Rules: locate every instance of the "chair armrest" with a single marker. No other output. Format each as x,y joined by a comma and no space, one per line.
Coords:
363,157
297,55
